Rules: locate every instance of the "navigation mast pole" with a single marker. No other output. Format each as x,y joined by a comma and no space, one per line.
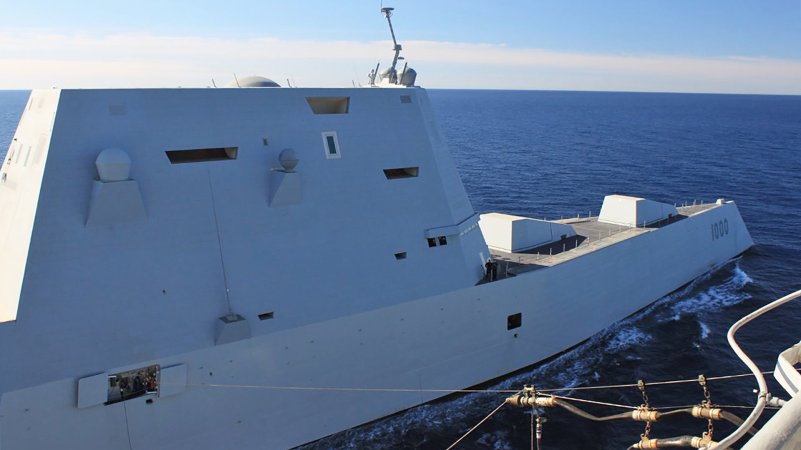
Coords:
392,73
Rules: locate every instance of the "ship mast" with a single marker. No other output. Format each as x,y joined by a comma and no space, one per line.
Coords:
390,76
393,77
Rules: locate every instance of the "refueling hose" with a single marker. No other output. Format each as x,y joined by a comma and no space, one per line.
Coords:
678,441
640,415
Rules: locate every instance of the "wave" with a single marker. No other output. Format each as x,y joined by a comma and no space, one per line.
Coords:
704,329
715,298
496,440
625,339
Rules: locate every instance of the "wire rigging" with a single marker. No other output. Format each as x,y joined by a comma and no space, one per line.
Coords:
477,425
643,412
463,391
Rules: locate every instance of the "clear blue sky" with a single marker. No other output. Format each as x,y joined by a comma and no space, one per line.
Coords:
706,31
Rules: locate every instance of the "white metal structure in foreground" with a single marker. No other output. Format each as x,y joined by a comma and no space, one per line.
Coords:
783,430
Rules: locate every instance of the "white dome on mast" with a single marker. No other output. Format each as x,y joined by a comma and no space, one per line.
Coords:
252,81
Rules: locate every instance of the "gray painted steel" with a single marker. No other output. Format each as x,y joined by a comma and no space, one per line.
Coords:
314,252
781,432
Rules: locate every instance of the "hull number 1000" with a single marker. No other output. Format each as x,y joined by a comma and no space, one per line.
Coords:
720,229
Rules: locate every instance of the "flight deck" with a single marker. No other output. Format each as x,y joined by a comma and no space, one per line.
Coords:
591,235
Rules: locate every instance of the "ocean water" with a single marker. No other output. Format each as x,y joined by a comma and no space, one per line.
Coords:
553,154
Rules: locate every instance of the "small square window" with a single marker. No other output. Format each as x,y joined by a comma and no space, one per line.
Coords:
443,240
331,145
514,321
400,255
432,242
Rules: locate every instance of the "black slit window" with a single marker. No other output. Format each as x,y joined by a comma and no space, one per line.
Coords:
202,155
401,172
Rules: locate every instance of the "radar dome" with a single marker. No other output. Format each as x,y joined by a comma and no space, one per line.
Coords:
288,159
113,164
408,77
253,82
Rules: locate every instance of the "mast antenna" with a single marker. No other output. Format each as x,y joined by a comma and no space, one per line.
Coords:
392,73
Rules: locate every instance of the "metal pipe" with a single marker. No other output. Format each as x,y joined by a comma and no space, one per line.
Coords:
733,419
678,441
642,415
763,387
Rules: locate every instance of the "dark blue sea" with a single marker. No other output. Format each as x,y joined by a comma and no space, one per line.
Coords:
553,154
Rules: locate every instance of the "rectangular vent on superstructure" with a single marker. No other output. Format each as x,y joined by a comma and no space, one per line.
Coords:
202,155
329,105
401,172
